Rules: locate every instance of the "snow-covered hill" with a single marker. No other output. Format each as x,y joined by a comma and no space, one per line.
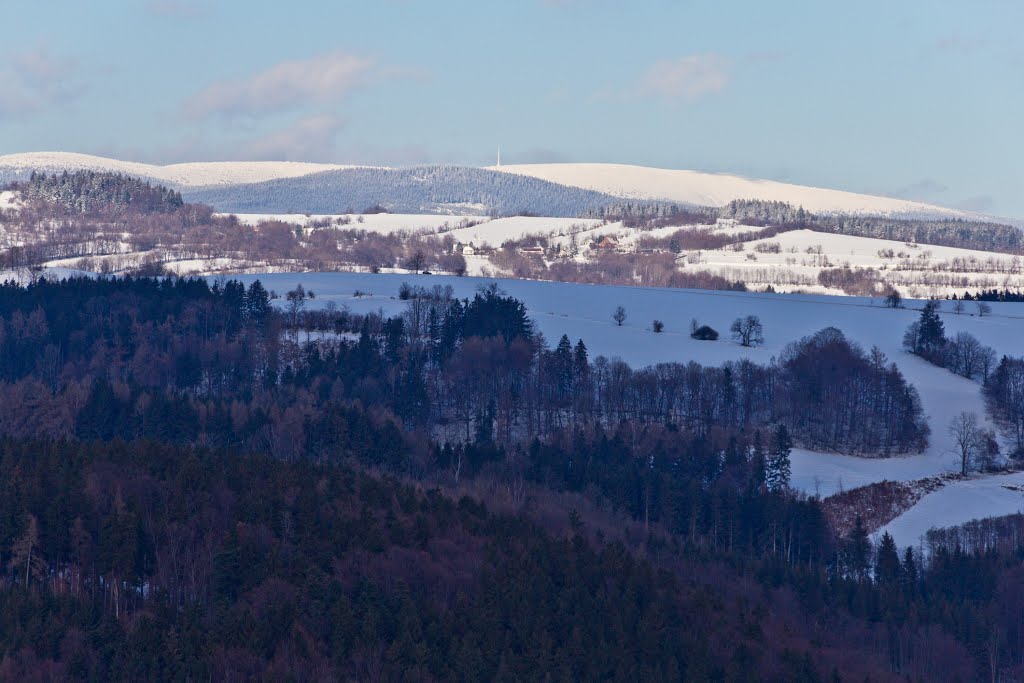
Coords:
196,174
718,189
617,180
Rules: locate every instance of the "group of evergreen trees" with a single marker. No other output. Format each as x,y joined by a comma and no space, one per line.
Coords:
88,191
962,353
184,493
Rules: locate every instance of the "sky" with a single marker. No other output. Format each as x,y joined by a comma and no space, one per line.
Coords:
920,99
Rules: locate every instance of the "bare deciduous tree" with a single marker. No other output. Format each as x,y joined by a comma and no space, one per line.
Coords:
748,331
967,439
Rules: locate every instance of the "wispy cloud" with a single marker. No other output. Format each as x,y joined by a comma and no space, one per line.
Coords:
686,78
34,80
981,203
925,189
288,85
312,138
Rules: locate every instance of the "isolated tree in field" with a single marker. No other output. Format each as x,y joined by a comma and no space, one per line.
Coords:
893,299
967,439
657,326
958,306
984,309
748,331
704,333
619,316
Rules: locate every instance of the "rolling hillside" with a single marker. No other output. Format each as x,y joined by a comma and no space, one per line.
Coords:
718,189
552,189
20,166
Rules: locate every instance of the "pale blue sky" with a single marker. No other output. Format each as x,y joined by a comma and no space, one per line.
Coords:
914,98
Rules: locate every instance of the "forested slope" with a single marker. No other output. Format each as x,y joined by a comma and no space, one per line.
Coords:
195,485
426,189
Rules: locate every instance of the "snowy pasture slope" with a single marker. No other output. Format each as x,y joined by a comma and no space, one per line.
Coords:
492,232
197,174
716,189
383,223
584,311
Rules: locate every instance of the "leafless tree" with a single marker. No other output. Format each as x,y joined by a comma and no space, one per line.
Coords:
984,309
967,439
748,331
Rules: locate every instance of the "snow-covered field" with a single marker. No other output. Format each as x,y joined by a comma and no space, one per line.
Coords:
384,223
196,174
584,311
915,269
715,189
478,230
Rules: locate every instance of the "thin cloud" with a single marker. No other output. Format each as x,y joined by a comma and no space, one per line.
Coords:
322,79
35,80
982,203
686,78
308,139
923,190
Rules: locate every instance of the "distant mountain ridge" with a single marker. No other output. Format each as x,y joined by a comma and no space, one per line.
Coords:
718,189
455,190
178,176
545,189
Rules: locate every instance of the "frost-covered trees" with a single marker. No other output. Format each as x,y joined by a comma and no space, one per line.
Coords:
777,466
424,189
86,191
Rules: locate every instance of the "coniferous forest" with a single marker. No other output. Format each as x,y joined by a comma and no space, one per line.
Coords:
198,484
